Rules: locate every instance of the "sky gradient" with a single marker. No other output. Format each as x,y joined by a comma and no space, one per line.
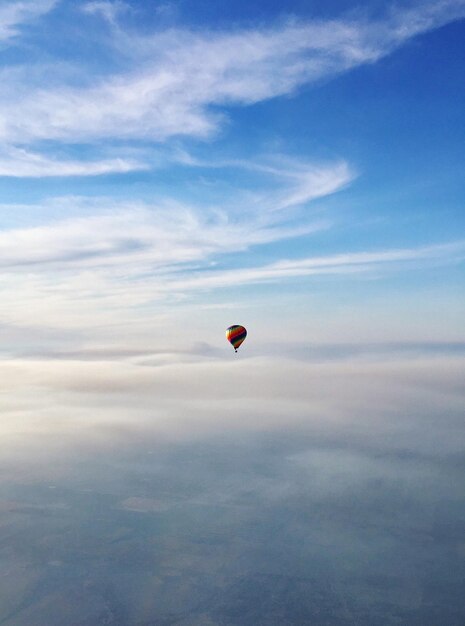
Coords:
168,169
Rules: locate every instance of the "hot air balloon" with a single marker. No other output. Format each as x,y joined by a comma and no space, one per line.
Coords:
235,335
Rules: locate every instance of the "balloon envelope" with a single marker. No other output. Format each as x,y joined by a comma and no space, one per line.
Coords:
235,335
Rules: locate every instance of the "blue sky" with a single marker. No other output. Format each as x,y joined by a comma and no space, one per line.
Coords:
170,168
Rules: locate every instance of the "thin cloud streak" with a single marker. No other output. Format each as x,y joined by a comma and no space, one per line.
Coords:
20,163
350,263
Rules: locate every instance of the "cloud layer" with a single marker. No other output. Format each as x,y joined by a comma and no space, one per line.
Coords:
191,491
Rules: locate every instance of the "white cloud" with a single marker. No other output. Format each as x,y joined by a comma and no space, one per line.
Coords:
305,181
179,77
115,270
350,263
20,163
16,13
425,16
167,233
108,10
107,259
138,237
197,399
112,263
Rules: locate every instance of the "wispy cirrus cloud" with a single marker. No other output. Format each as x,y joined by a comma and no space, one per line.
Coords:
110,11
85,272
179,81
131,254
303,181
168,232
128,254
343,264
21,163
141,238
15,13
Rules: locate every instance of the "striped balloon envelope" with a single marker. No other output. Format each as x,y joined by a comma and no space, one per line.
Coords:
235,335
